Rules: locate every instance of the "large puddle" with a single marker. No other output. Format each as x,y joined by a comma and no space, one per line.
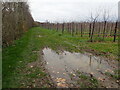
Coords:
61,65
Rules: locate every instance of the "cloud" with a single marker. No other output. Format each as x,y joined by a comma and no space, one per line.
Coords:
69,10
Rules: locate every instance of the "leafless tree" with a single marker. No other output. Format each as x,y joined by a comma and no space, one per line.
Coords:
16,19
93,19
105,18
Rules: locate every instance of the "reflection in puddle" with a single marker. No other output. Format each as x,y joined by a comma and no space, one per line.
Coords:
65,63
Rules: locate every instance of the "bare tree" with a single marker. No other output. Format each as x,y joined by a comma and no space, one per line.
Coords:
94,19
16,19
105,18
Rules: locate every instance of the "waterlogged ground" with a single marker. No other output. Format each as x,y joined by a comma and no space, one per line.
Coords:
28,64
64,68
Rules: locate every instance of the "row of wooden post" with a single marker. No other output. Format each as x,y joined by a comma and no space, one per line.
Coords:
101,29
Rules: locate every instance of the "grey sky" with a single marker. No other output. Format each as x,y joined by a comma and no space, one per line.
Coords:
70,10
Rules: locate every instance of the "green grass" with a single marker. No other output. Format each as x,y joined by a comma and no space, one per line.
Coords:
86,81
116,74
17,56
35,73
104,47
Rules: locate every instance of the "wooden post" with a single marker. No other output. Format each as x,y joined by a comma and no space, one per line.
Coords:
81,30
90,29
62,28
104,29
91,38
73,29
115,33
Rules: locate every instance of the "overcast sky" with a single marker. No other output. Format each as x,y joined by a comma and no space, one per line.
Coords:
70,10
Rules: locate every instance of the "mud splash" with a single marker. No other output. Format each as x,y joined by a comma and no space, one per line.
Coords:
61,65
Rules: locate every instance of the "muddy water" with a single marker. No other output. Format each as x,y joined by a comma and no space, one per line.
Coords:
61,65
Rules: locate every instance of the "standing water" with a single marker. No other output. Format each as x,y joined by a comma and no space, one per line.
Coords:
61,65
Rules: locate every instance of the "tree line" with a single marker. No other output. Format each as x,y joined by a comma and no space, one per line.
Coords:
16,19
